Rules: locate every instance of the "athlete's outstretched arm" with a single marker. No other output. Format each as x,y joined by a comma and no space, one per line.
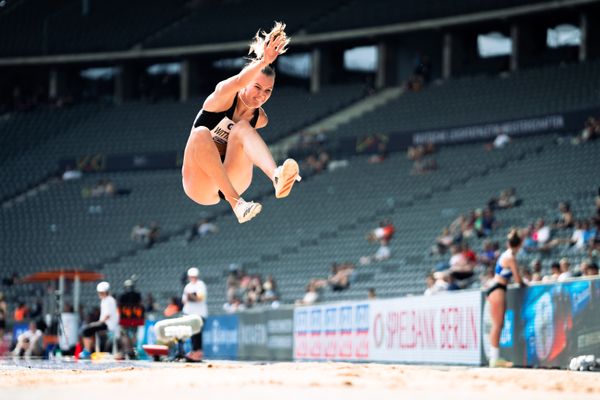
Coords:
225,90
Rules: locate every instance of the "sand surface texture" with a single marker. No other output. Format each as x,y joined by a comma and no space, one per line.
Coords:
230,380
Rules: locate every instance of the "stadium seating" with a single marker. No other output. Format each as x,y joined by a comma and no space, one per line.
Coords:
355,14
39,139
484,99
205,24
291,241
297,238
33,15
107,27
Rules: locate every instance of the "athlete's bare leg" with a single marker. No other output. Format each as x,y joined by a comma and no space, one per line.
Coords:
203,172
245,149
497,309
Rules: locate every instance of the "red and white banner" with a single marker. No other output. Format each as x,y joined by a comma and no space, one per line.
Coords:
444,328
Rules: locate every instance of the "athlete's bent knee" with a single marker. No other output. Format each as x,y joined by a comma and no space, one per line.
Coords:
201,135
240,127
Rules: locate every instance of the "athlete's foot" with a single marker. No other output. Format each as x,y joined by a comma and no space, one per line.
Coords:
246,210
194,356
500,363
285,177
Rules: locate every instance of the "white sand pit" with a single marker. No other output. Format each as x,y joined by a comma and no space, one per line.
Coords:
214,380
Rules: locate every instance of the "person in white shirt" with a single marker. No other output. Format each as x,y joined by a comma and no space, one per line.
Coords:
29,342
206,228
501,140
109,319
565,272
436,283
194,303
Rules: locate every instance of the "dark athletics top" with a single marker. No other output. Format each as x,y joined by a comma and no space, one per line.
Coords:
221,123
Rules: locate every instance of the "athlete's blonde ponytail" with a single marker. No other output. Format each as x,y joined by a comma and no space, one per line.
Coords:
258,43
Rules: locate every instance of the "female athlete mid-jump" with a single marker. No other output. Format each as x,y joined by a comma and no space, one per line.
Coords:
224,144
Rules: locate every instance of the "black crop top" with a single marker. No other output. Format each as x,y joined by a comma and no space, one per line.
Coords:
211,119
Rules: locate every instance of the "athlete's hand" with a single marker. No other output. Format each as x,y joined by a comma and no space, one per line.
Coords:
273,48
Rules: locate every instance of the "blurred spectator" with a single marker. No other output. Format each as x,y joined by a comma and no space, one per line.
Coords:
469,255
317,163
29,343
580,237
590,131
172,308
371,294
206,227
536,270
384,234
253,291
382,154
423,68
153,235
436,283
554,273
461,270
21,312
147,235
140,233
233,284
150,305
310,296
340,276
71,174
36,310
565,270
566,219
595,238
270,294
501,141
103,187
10,280
422,164
234,305
507,199
131,311
3,315
489,254
443,242
591,270
201,229
526,275
485,224
194,303
468,225
541,236
421,74
108,320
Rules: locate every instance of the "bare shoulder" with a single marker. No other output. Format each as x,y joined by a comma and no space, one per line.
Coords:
218,100
263,119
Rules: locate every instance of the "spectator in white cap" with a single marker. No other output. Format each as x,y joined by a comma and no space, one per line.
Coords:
194,303
109,319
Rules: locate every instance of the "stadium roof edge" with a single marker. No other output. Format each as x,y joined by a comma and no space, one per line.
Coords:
301,39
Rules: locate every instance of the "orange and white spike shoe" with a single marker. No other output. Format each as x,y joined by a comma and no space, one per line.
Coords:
285,177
